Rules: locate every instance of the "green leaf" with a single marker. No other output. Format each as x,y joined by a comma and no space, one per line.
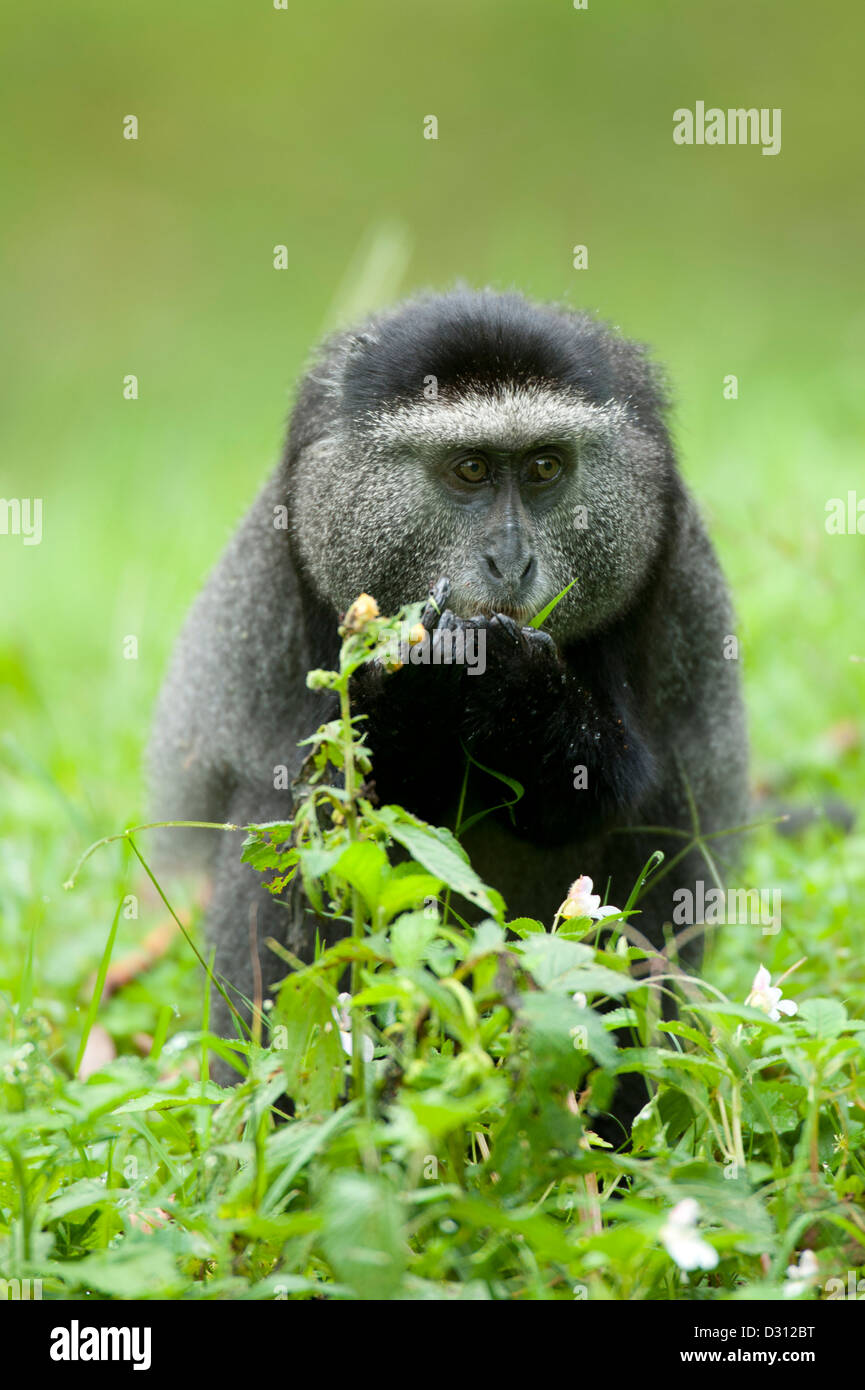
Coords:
406,890
597,979
773,1106
566,966
544,1236
440,1112
540,618
410,936
746,1012
823,1017
489,937
665,1064
363,1236
389,986
676,1113
443,1000
677,1029
647,1131
526,926
98,987
129,1272
441,855
318,860
259,847
551,960
311,1051
550,1020
81,1195
363,865
510,782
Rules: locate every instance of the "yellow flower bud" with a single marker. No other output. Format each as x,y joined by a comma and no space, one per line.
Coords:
361,612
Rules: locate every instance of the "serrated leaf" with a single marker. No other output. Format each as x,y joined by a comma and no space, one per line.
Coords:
551,1020
823,1017
405,891
489,937
526,926
362,1234
551,959
442,856
773,1106
260,847
410,936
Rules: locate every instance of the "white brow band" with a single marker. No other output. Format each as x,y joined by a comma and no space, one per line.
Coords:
503,417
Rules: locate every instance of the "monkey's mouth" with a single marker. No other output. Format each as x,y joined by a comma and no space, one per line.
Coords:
519,615
469,607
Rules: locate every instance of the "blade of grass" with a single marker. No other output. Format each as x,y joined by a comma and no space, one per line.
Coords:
553,603
93,1006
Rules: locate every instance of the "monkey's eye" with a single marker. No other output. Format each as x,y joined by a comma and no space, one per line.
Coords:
544,468
473,470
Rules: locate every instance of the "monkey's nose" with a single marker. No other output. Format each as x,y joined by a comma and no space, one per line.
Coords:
504,572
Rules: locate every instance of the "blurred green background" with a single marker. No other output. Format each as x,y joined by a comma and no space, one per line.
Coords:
303,127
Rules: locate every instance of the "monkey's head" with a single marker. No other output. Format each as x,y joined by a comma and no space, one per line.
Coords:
509,446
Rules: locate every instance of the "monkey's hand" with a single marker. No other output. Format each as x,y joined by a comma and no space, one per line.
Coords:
412,714
437,617
565,735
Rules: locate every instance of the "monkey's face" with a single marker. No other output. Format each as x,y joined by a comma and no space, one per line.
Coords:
511,492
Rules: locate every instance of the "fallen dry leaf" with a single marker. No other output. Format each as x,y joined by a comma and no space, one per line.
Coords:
99,1050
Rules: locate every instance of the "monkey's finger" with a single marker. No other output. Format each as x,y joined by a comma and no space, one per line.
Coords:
446,652
537,638
507,624
436,603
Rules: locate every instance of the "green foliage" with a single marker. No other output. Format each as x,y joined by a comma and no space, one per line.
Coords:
441,1139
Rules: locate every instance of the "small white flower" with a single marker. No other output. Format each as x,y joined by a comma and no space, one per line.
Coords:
767,997
682,1241
582,902
343,1020
16,1067
800,1277
579,999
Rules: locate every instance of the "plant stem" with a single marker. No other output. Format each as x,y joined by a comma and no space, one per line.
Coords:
358,1067
457,827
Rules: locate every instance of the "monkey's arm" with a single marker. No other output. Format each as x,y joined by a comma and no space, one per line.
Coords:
411,722
566,734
